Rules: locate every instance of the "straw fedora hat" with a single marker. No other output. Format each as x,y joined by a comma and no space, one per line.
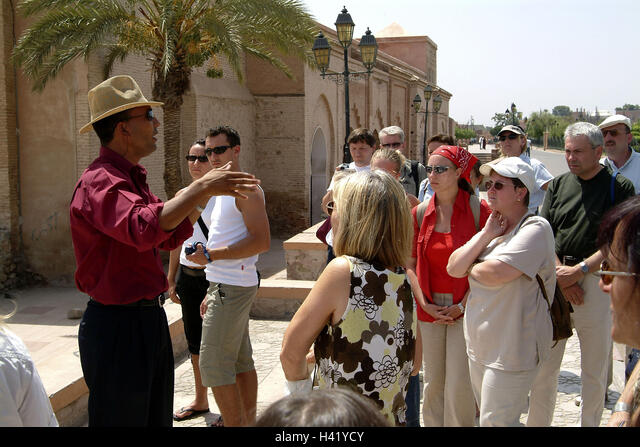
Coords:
114,95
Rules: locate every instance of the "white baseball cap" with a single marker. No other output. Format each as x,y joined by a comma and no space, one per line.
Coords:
615,119
512,167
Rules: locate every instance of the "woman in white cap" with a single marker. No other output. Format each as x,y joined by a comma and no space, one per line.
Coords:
507,325
513,143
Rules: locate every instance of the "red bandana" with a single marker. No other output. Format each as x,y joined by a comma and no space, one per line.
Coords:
460,157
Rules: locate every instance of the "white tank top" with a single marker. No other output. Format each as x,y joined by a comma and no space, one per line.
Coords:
227,227
198,235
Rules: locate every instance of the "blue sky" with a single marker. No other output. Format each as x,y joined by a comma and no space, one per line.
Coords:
536,53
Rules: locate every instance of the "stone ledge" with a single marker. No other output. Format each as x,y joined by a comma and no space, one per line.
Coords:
284,289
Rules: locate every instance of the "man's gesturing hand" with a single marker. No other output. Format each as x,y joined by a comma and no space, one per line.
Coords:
224,182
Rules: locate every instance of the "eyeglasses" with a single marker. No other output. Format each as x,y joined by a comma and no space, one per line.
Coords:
511,136
497,185
437,169
614,132
391,145
148,115
219,150
607,275
330,208
200,158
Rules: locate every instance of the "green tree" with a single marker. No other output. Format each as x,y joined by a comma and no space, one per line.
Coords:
561,111
635,131
543,121
176,36
464,134
631,107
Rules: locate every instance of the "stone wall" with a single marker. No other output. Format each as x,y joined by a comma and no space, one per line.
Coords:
9,209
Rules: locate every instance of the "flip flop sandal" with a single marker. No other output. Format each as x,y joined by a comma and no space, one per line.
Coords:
188,413
217,423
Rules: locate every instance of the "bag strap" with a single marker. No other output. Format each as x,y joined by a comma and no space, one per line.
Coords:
203,227
414,174
544,290
612,189
474,204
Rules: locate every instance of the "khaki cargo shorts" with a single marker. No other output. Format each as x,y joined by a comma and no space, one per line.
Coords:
225,349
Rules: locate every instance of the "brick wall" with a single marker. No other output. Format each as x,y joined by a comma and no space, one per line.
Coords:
9,212
281,166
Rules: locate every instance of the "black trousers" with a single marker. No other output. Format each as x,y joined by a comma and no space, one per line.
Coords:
192,290
127,362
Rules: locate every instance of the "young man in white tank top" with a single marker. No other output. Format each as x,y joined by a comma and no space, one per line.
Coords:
239,231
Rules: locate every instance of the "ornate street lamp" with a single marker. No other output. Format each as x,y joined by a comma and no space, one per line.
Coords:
417,102
368,52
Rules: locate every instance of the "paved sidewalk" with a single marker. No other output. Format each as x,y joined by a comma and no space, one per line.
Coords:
266,336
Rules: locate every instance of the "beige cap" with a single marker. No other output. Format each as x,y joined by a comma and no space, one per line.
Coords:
115,95
615,119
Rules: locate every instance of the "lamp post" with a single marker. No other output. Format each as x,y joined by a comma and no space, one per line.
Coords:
417,102
368,52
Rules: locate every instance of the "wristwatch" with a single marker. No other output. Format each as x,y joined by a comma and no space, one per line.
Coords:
622,406
461,307
584,267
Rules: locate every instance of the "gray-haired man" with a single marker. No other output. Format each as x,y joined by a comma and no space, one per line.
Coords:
413,172
574,205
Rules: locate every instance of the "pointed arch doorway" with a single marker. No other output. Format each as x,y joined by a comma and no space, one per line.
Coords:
318,174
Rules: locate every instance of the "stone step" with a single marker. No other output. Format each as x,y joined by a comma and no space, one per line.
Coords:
285,289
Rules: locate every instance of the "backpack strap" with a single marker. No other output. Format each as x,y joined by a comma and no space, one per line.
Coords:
414,174
420,210
612,189
474,204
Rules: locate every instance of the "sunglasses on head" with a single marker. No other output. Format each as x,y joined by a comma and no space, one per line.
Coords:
148,115
436,169
200,158
330,208
497,185
511,136
219,150
391,145
607,275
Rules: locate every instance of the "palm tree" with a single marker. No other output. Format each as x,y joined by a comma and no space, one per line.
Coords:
174,35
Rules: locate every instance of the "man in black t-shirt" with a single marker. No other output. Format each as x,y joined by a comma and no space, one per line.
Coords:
574,206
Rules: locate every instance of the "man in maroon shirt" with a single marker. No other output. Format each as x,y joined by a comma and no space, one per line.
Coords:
117,226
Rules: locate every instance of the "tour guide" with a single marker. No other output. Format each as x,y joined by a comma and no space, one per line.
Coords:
117,227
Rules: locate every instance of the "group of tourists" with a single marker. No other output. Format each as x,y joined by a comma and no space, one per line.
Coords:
421,274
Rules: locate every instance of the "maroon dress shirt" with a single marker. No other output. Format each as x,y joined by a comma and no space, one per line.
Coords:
116,234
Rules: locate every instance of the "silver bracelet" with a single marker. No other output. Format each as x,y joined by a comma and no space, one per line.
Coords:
622,406
461,307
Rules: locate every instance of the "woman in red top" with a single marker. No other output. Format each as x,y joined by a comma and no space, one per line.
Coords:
448,223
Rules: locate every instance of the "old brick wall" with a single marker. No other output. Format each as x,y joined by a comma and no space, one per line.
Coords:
9,209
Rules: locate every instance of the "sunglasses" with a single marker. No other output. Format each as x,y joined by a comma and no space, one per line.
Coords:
607,275
330,208
437,169
148,115
511,136
391,145
219,150
614,132
200,158
497,185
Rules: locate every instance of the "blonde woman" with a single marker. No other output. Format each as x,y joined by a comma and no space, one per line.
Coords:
360,313
392,161
23,399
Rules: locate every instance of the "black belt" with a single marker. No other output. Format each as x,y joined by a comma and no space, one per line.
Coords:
192,271
157,301
570,260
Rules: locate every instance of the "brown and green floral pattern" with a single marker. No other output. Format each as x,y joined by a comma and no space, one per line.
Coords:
371,349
